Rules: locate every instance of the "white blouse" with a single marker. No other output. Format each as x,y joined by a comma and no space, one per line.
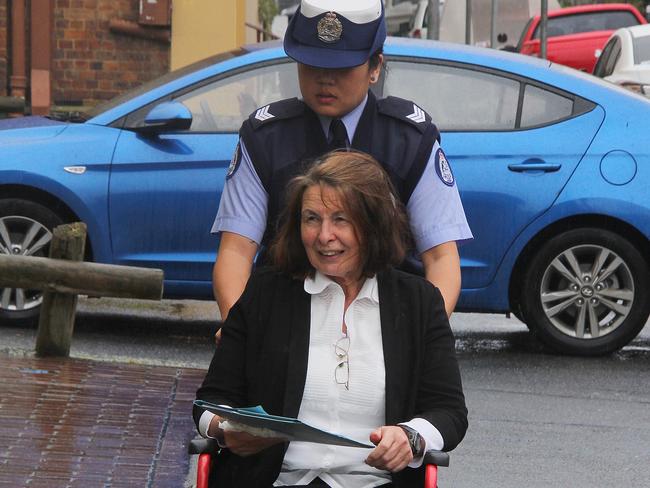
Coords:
353,412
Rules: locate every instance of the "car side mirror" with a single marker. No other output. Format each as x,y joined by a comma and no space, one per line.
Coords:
166,117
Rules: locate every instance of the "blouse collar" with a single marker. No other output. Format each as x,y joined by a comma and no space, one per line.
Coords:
319,283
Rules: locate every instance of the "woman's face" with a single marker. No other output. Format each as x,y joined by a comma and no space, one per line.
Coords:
335,92
329,236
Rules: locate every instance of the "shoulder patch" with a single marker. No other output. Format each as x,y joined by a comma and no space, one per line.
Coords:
418,116
263,114
234,162
405,111
284,109
443,169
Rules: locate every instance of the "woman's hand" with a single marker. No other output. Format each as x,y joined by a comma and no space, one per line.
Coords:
240,443
393,452
244,444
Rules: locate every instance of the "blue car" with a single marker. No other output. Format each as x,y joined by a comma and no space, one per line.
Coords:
553,168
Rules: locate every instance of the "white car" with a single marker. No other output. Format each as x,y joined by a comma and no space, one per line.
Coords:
420,23
420,20
625,59
399,16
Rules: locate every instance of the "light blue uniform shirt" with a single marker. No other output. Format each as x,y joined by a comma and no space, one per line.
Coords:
435,210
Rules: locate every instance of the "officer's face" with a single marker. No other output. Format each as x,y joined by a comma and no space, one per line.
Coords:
335,92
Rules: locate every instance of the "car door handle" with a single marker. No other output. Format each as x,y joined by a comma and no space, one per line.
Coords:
525,167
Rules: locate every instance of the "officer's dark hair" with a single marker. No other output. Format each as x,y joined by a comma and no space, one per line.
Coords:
367,195
374,59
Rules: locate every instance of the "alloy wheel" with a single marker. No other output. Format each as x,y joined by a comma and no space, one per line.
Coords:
22,236
587,291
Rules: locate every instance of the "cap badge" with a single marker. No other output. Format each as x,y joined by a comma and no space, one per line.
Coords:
329,28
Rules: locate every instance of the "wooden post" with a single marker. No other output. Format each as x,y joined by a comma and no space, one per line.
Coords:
56,321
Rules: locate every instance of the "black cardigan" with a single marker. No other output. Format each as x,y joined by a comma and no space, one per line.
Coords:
262,360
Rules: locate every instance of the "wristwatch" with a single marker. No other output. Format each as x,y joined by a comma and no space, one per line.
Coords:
415,441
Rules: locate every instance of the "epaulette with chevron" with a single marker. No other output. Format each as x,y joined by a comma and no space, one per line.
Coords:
404,110
283,109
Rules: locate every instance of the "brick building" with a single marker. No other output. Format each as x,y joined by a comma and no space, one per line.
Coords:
97,48
3,48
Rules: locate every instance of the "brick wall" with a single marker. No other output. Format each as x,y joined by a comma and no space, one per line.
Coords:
3,48
90,63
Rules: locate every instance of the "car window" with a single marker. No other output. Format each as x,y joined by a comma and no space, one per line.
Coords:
457,98
522,37
222,105
599,69
543,106
641,46
613,57
587,22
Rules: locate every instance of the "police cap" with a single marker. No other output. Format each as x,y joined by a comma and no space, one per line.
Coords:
335,33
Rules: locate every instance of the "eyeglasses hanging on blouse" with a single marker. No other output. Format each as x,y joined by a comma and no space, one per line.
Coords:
342,370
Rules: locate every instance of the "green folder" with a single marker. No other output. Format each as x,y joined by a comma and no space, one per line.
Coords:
292,429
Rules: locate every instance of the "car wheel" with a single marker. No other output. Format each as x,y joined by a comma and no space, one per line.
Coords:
25,229
586,292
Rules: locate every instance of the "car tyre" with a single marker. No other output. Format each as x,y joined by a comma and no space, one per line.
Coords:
25,229
586,292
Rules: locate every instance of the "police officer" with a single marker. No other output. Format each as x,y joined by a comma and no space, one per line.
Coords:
338,47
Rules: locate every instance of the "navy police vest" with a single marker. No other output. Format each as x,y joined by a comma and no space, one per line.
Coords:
284,137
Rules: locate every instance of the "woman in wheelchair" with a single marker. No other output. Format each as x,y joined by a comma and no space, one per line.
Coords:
335,336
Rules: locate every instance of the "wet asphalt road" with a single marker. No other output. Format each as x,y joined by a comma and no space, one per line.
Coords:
536,418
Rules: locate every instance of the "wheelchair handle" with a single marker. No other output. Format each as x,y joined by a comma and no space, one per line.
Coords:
202,446
438,458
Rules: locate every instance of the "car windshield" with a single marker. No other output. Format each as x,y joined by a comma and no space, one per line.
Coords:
150,85
642,50
523,33
587,22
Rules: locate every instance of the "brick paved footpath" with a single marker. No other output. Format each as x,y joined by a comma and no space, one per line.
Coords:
78,423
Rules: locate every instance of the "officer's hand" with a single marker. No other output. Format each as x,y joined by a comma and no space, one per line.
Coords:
393,452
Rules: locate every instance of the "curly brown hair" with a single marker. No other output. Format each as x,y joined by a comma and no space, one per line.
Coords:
368,197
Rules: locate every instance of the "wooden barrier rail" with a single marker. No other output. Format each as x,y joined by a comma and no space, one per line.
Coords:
63,276
80,278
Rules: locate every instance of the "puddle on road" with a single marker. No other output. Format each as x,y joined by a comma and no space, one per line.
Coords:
474,345
520,341
633,351
525,343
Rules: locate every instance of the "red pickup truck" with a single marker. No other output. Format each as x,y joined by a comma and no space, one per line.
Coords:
576,35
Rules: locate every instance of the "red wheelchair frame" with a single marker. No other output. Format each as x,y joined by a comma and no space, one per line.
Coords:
205,448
